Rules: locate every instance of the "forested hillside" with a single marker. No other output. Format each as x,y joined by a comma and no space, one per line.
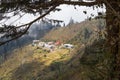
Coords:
37,31
85,61
83,31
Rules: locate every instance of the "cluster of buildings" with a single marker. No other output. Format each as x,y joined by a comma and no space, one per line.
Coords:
51,46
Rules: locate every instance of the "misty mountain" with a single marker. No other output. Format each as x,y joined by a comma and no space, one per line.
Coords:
36,31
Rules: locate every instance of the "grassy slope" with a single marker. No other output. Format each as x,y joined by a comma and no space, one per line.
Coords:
29,63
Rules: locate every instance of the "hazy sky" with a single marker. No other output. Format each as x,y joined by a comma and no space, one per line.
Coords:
76,13
65,14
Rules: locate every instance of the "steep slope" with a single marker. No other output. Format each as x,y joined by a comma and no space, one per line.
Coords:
67,33
31,63
27,63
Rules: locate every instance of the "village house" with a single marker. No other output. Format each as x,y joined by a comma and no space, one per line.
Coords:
41,44
35,42
51,46
58,43
69,46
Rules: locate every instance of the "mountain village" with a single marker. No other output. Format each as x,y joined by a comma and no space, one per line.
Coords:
51,46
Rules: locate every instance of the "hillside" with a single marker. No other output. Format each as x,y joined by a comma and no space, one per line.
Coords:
67,33
32,63
36,31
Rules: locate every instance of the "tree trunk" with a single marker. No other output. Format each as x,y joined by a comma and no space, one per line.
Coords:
113,24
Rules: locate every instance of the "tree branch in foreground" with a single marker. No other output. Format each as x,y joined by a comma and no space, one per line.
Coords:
27,27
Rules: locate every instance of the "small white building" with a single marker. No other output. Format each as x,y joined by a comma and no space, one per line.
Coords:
69,46
50,47
41,44
35,42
